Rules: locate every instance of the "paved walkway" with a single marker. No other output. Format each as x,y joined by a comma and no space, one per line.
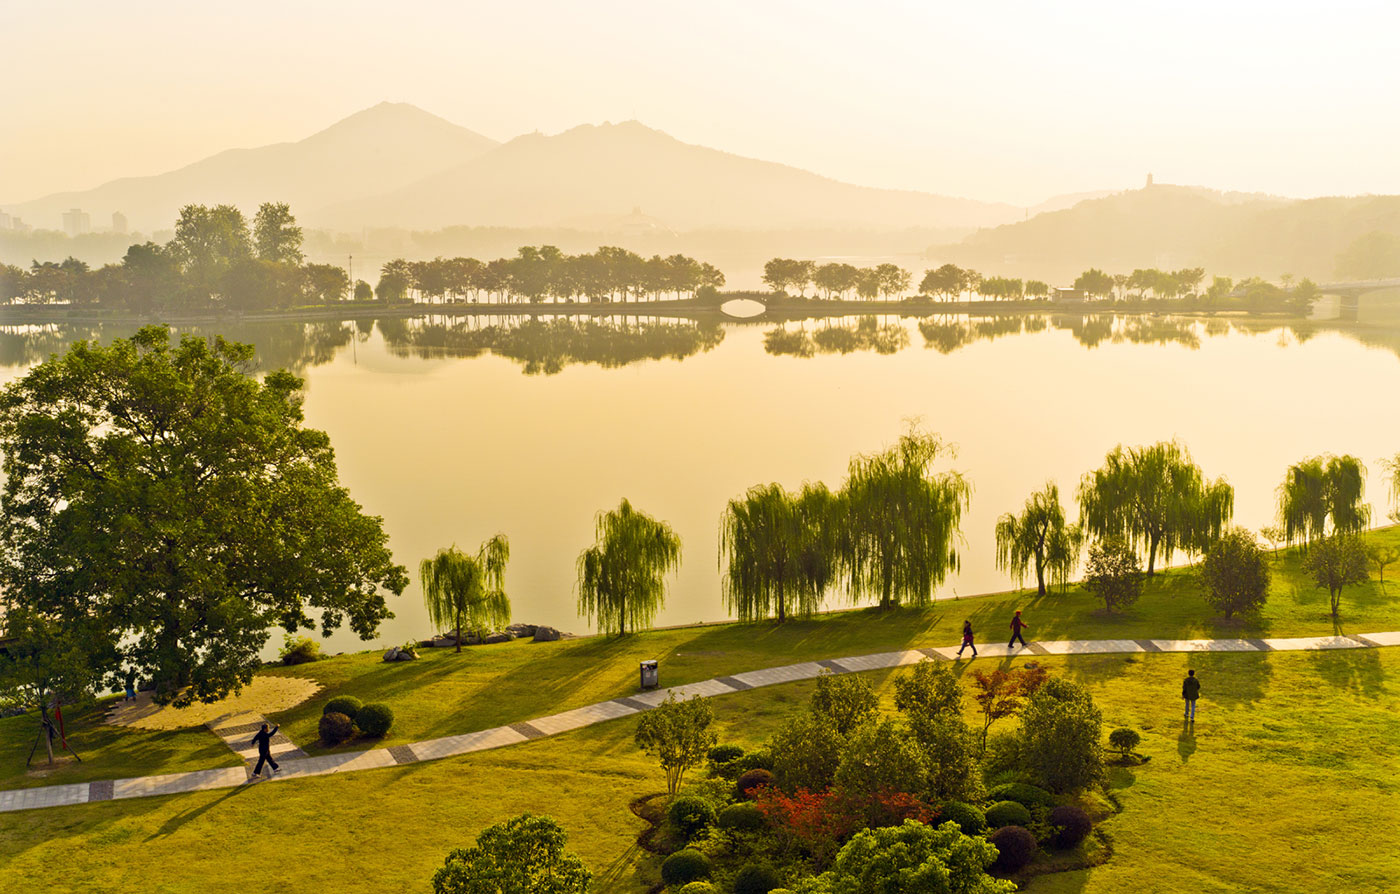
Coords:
541,727
237,732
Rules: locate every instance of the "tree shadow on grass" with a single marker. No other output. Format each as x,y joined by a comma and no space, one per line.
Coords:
173,825
1230,678
1357,670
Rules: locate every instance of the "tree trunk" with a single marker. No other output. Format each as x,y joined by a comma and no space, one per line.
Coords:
457,634
48,729
1152,554
1039,574
781,613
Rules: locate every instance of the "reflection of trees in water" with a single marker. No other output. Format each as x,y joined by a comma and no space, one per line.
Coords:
865,335
1089,330
293,346
28,345
548,345
1092,330
945,335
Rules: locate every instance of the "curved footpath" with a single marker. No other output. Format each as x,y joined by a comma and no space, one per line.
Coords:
296,768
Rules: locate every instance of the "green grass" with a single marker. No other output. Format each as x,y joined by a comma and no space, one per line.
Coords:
445,693
1287,784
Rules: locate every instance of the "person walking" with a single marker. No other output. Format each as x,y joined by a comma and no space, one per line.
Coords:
1190,691
263,740
1017,625
130,687
967,640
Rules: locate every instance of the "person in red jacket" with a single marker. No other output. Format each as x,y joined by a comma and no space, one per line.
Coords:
967,640
1017,625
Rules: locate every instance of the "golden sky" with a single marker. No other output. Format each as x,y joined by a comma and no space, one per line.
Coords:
993,100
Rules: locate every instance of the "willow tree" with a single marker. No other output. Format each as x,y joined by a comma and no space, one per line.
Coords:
1039,535
463,589
1322,489
1393,466
778,551
1156,498
622,577
896,540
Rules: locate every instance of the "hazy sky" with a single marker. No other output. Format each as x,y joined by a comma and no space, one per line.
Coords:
992,100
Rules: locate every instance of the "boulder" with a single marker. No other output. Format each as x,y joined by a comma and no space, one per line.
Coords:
546,634
406,655
501,637
392,654
441,642
520,631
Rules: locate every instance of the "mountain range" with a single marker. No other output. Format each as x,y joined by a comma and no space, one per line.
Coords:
394,165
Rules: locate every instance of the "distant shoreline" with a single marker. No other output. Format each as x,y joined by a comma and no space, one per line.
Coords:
685,308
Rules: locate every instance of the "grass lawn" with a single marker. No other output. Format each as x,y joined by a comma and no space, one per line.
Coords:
1287,784
445,693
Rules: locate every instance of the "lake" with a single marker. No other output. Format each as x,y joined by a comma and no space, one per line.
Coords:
456,430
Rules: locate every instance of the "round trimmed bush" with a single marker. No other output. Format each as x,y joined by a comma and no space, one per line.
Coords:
699,888
684,866
690,814
758,759
1015,847
343,704
1124,740
1008,813
1071,824
374,719
723,754
1022,793
755,878
742,817
969,819
751,780
335,728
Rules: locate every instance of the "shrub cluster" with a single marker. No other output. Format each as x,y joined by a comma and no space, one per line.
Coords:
299,650
969,819
756,878
751,780
1022,793
741,817
374,720
685,866
343,704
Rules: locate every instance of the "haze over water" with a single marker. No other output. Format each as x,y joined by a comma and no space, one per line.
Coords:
454,449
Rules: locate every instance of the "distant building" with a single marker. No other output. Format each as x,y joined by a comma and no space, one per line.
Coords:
1069,294
1149,181
119,223
76,222
6,221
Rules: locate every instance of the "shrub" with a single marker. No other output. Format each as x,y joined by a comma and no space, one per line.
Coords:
807,751
758,759
742,817
1071,825
690,814
1003,758
1124,740
913,857
1062,732
374,719
698,888
930,691
1021,793
524,853
723,754
969,819
1008,813
756,878
1015,847
685,866
882,757
752,780
845,700
336,728
950,751
299,650
1113,574
343,704
1235,574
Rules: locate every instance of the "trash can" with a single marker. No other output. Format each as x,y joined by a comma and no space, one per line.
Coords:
650,675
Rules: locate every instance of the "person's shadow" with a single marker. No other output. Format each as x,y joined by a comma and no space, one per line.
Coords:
1186,742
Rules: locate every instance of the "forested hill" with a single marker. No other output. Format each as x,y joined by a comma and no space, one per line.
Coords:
379,148
1229,234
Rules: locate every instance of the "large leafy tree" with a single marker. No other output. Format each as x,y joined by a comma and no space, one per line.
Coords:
47,664
208,243
1040,535
162,495
1235,574
622,577
1319,490
276,235
778,551
1155,498
1334,562
462,589
524,854
901,521
679,734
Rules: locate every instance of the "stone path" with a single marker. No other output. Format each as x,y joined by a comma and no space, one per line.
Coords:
237,731
296,766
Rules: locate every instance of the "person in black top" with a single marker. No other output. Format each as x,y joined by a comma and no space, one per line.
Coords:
1190,691
264,742
967,640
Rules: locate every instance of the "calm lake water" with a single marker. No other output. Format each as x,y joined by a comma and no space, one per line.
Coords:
456,431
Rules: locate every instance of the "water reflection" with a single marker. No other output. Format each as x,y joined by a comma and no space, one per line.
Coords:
548,346
866,334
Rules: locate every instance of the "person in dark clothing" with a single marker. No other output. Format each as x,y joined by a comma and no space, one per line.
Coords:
1190,691
967,640
1017,625
264,742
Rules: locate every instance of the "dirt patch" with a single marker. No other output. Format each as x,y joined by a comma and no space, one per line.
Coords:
265,695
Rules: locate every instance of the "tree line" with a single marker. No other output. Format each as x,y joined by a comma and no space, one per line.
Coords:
216,260
545,273
1183,289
